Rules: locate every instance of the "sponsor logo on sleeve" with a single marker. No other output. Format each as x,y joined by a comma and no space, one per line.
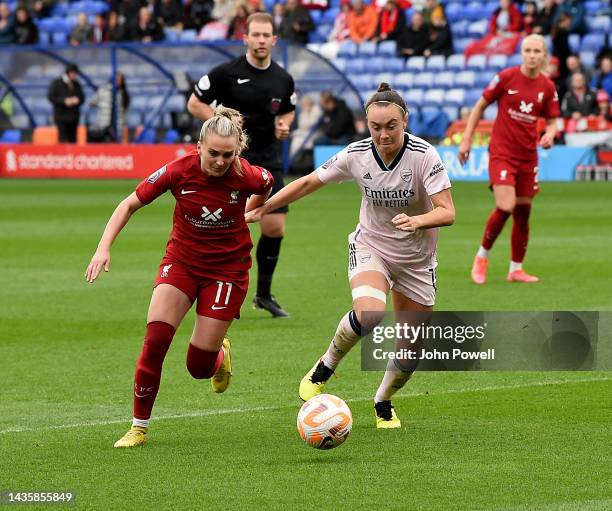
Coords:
156,175
436,169
293,99
329,162
204,83
493,83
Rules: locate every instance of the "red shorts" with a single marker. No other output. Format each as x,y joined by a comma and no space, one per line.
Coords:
218,298
523,175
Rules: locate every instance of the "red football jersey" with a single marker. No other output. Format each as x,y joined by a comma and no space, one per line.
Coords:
520,101
209,234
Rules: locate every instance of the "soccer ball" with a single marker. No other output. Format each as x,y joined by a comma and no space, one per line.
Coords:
325,421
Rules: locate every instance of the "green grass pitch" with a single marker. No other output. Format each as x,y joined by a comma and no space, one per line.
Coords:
488,441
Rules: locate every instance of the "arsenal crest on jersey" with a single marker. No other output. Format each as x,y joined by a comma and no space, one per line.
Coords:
275,104
406,175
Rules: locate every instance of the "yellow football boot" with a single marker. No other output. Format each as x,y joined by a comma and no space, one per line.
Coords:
137,435
314,382
222,378
385,416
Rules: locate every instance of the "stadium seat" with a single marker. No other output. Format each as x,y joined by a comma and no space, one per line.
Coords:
460,44
477,63
593,7
10,137
454,12
394,65
367,49
348,49
387,49
189,35
592,42
465,79
424,80
146,137
361,82
588,58
497,62
374,64
330,15
340,64
490,113
474,11
477,29
471,97
459,28
445,80
490,8
434,122
354,66
455,62
434,97
404,80
483,79
599,24
452,112
454,97
60,38
435,63
574,43
414,97
515,60
415,64
384,77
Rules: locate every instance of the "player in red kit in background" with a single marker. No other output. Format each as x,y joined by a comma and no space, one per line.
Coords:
523,94
207,258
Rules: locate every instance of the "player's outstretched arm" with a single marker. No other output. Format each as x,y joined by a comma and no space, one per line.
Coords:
442,214
290,193
101,259
475,116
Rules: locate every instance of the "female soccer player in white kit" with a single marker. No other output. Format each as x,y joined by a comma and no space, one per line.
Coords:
405,197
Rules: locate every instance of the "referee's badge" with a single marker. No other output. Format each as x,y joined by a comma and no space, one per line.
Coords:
275,105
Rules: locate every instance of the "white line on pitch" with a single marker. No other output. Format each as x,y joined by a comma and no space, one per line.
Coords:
224,411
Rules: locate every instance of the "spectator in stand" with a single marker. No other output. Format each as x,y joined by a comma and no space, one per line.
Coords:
506,18
574,65
223,11
26,31
309,114
66,96
577,13
580,101
552,71
7,24
544,20
338,125
603,105
391,22
82,31
414,39
440,37
106,129
38,9
530,16
277,15
432,8
296,24
170,13
560,43
116,31
196,13
238,26
100,30
379,4
603,79
340,31
362,22
147,30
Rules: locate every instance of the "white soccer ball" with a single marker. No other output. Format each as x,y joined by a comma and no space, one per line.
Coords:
325,421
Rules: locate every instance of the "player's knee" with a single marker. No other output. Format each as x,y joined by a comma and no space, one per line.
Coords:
506,205
368,320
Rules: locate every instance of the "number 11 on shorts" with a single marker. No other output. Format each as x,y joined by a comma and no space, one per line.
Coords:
217,305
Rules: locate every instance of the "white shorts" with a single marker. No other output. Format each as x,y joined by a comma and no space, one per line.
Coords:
418,285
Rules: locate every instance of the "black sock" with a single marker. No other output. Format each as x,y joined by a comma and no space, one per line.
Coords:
267,257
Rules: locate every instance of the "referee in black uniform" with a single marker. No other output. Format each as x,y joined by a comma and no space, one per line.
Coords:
264,93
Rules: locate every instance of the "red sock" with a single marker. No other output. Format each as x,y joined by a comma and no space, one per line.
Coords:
520,231
203,364
495,224
149,367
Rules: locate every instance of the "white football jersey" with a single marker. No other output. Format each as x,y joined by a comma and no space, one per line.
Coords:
404,186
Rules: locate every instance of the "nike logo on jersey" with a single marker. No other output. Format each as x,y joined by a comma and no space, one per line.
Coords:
243,80
185,192
216,307
512,91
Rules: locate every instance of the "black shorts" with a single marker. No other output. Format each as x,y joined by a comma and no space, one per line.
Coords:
279,183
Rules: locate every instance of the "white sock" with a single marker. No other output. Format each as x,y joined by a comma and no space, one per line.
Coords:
143,423
483,252
515,266
392,381
341,344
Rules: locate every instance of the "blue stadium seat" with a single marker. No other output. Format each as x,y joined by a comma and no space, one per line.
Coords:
452,112
574,43
465,79
348,49
384,77
404,80
354,66
483,78
10,137
414,97
434,97
460,44
361,82
330,15
471,96
593,7
592,42
588,58
176,103
490,113
60,38
171,35
454,12
497,62
599,24
477,63
340,64
455,62
474,11
434,122
188,35
415,64
367,49
134,118
394,65
146,137
424,80
435,63
490,7
454,97
460,28
445,80
387,49
374,64
515,60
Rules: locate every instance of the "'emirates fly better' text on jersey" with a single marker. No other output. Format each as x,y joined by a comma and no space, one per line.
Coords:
520,101
404,186
209,234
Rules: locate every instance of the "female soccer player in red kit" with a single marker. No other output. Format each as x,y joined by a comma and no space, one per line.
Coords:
523,94
207,258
